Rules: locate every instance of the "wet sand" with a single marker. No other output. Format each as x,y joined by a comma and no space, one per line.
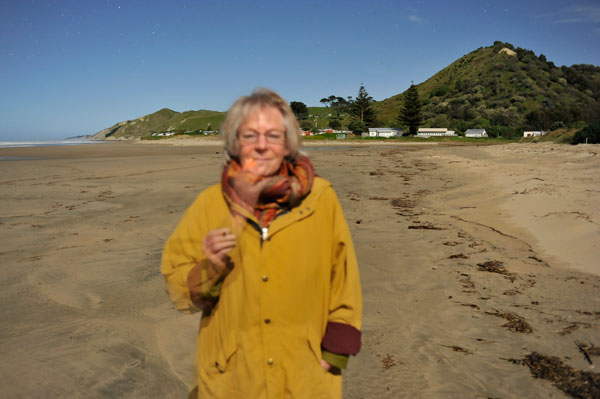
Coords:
470,256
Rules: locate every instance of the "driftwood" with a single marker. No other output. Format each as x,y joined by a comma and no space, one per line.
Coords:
588,350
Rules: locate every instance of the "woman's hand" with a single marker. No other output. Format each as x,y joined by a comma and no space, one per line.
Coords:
326,366
248,186
216,245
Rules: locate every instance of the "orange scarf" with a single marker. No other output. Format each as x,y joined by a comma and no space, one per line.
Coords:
284,191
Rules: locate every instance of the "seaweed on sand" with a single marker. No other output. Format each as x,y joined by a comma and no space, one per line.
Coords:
575,383
458,256
388,362
515,323
494,266
425,226
457,348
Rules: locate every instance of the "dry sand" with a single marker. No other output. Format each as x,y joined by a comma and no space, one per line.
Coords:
85,315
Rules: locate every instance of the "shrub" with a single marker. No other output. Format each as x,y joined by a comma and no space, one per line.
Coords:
439,92
504,131
589,134
306,125
483,123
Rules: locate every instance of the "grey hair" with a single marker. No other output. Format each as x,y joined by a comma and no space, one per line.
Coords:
244,106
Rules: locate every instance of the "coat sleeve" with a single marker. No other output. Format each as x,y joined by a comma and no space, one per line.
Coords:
342,335
192,283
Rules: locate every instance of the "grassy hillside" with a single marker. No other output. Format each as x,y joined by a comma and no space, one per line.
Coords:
504,90
562,136
165,120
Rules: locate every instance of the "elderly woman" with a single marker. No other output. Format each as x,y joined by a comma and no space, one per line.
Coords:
267,256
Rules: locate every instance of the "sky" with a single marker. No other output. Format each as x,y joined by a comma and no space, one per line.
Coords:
75,67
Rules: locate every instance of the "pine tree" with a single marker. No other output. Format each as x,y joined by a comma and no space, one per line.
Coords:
361,107
410,114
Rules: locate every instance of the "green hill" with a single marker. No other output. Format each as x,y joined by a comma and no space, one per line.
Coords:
504,90
165,120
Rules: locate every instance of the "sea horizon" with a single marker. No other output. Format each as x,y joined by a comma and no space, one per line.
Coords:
45,143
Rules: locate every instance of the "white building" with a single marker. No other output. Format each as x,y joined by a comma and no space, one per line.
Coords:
384,132
162,134
476,133
535,133
435,132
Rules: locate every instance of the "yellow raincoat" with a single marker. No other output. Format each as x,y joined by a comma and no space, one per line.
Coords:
263,337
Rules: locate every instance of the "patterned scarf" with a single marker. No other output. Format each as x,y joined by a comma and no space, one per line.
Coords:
283,191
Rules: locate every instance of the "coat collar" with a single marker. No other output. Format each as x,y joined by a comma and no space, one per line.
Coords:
303,210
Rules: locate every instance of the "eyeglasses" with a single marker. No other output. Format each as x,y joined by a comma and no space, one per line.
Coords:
271,137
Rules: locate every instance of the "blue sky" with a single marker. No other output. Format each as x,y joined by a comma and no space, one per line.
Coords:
75,67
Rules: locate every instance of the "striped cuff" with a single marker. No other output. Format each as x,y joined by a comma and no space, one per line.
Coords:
205,285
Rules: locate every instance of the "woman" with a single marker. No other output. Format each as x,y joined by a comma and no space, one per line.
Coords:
267,256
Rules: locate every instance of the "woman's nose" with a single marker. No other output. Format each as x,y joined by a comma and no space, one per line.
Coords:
261,141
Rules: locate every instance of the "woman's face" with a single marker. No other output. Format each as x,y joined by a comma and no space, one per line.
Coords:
262,139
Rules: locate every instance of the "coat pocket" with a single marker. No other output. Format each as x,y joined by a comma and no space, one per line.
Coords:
217,357
314,343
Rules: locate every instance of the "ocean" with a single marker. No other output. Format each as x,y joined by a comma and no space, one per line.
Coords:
33,143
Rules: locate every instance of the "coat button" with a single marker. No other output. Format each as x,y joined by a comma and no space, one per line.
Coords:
267,321
265,278
270,361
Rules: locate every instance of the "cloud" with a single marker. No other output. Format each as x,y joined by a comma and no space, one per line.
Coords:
415,19
578,14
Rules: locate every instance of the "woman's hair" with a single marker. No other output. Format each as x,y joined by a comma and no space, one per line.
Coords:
244,106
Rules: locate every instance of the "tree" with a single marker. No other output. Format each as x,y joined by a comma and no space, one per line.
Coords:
339,105
299,109
335,124
539,119
328,101
410,113
356,126
361,107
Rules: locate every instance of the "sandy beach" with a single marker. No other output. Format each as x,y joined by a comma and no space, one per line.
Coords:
472,258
